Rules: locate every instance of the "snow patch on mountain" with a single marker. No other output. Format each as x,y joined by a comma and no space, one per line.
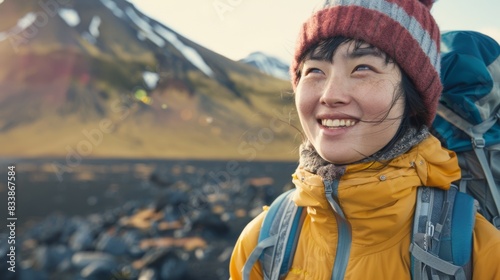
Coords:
93,33
94,26
26,21
147,30
113,8
70,16
150,79
268,64
189,53
22,24
158,34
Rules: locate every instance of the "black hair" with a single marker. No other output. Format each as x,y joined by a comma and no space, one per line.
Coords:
415,111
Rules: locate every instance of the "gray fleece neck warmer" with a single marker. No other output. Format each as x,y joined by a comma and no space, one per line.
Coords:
311,161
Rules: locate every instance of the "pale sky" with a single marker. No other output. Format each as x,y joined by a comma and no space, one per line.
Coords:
235,28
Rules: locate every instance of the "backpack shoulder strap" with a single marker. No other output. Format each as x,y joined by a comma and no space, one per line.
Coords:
278,238
476,133
442,234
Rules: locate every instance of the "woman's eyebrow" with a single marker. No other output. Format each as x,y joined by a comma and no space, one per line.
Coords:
361,52
317,57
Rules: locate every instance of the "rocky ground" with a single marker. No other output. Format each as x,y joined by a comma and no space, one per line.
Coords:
136,220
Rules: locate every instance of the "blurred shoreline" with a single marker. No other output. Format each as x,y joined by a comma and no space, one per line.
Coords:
51,185
134,218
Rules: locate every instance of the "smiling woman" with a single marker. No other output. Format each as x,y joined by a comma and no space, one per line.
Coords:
366,81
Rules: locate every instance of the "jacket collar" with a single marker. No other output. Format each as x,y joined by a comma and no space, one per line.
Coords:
378,198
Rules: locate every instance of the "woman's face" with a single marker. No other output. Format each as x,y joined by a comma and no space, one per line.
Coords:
349,107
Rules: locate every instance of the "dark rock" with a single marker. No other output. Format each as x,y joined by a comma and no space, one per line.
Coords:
161,178
176,198
69,229
246,195
96,222
173,268
98,270
270,193
131,207
160,202
49,231
127,272
172,213
206,222
81,260
114,245
32,274
149,274
82,239
53,258
109,218
132,237
166,263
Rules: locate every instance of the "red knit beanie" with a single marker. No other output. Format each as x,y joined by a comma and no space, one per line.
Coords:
404,29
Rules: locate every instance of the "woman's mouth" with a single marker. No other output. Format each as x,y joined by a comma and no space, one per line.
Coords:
337,123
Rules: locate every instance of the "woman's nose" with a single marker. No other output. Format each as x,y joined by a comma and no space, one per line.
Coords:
334,92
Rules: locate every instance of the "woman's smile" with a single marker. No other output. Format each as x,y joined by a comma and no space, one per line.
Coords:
337,123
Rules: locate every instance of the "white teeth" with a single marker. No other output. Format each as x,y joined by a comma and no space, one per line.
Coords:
337,123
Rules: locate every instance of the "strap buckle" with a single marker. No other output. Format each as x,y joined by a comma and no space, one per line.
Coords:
478,142
496,222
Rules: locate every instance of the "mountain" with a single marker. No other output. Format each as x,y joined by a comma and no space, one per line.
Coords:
268,64
98,78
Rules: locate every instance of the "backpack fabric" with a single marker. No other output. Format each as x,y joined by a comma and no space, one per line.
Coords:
468,117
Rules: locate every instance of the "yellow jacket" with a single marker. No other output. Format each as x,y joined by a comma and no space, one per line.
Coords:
379,203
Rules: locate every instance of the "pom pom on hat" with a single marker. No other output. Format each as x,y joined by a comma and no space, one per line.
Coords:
404,29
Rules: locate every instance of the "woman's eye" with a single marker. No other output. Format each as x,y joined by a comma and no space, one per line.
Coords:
313,71
362,68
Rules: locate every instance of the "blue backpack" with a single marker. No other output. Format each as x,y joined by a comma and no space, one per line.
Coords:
468,116
468,123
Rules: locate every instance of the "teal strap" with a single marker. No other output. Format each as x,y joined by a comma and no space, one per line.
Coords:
465,126
292,240
417,269
255,255
283,240
344,233
437,263
491,182
453,118
278,237
476,133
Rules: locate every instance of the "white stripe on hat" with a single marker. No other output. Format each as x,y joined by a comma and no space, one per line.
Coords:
398,14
